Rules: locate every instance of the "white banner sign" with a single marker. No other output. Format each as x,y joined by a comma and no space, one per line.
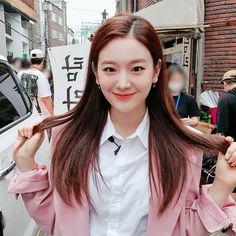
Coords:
69,66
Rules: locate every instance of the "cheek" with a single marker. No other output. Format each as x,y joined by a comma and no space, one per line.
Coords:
107,84
145,81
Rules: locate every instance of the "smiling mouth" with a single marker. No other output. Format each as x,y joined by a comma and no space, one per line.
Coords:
123,96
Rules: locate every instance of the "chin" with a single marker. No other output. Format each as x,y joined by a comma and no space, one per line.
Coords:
124,108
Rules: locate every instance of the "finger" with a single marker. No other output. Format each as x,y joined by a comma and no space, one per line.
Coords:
25,131
230,151
29,130
232,158
233,164
229,139
20,133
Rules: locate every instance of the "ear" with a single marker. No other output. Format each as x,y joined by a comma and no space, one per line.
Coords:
157,69
95,73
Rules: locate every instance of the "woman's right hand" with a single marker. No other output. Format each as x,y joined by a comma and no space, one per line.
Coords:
27,144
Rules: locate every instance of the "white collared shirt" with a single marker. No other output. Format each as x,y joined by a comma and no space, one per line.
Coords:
121,201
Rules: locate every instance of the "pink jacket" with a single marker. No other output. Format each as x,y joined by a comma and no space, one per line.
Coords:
193,214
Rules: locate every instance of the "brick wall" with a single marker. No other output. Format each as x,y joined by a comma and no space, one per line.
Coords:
55,26
220,41
145,3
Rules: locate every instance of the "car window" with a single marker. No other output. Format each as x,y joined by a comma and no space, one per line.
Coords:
13,105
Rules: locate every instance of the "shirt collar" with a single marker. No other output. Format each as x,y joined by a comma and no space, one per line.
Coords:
141,132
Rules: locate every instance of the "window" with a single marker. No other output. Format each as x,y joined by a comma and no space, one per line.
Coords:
57,35
54,17
24,24
60,20
54,34
61,36
12,99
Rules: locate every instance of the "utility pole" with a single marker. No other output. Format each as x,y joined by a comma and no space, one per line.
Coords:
104,15
46,28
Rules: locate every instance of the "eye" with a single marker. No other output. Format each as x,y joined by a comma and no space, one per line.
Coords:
109,69
138,69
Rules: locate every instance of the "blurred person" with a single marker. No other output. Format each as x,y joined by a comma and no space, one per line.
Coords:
226,112
185,104
16,64
37,85
48,73
25,65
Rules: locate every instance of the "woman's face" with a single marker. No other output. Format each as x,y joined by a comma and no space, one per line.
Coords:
125,73
176,82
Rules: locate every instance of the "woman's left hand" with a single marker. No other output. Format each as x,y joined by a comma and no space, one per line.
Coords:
225,167
230,155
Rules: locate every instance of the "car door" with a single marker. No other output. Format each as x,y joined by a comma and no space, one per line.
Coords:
15,110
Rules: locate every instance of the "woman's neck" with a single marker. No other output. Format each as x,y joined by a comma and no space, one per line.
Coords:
126,123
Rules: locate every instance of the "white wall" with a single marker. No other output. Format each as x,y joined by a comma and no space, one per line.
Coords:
3,51
16,45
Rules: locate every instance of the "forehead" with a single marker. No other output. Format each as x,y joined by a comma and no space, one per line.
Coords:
124,50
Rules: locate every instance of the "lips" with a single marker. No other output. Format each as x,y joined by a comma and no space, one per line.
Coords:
123,96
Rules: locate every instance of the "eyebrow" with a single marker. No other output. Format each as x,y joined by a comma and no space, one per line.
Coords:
132,62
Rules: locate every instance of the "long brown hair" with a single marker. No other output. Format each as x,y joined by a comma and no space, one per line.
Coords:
78,146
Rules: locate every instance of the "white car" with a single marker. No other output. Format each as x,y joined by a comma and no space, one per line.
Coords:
16,109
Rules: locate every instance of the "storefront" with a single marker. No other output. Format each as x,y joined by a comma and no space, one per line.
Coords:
180,25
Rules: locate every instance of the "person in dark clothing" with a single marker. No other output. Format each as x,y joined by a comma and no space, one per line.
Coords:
15,64
226,117
185,104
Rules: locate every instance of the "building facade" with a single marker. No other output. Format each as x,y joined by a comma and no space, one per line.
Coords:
37,30
15,18
56,23
220,41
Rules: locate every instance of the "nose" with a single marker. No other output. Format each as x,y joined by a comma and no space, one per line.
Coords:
123,81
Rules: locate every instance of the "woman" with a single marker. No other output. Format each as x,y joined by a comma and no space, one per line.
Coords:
184,103
122,162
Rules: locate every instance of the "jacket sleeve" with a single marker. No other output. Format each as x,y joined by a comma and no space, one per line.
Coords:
202,214
37,195
36,191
